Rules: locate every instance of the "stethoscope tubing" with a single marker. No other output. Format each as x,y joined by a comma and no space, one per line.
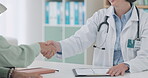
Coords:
105,22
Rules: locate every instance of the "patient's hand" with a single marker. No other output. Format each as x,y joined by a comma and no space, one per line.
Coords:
31,73
47,50
17,74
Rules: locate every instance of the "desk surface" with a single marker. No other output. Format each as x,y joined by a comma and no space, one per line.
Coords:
65,70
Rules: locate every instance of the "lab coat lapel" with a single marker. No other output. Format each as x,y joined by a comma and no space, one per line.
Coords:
111,20
134,17
112,32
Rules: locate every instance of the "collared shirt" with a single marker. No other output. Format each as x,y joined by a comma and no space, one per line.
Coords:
120,23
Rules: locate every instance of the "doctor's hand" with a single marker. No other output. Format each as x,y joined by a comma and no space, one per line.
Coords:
55,44
47,50
118,70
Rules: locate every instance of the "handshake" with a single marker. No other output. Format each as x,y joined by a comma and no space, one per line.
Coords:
49,48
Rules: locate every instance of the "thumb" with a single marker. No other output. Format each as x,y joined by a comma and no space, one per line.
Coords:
49,42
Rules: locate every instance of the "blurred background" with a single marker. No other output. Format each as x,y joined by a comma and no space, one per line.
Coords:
22,20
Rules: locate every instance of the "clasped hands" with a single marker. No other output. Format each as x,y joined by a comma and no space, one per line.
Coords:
49,48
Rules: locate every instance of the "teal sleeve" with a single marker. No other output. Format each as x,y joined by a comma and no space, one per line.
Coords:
17,56
4,72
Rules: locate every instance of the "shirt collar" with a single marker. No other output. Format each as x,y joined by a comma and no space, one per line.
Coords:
126,15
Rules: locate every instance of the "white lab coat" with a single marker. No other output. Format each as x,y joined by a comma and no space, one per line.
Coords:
87,35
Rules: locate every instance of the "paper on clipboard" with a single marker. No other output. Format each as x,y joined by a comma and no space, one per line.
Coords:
90,72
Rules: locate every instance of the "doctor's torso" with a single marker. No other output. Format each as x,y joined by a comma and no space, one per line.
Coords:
127,36
88,35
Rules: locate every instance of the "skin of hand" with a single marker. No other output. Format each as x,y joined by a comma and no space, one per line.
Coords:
49,54
17,74
34,73
55,44
118,70
47,50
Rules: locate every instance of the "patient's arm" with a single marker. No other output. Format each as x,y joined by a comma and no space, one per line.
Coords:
20,56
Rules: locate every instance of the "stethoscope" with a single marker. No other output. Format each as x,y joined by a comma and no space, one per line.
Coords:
107,24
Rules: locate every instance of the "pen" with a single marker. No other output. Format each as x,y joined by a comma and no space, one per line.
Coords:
57,70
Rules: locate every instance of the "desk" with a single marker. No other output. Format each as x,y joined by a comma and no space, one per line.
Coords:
65,70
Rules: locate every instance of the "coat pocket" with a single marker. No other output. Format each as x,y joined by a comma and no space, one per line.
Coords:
101,57
131,53
101,38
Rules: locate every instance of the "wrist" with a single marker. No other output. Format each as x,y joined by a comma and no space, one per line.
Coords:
58,47
11,73
41,45
128,66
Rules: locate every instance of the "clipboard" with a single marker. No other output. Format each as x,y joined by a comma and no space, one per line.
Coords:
90,72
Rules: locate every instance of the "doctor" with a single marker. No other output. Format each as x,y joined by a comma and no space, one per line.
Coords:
120,34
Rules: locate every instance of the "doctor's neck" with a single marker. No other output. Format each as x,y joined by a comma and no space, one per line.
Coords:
121,9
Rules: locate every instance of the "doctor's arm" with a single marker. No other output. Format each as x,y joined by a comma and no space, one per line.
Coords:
81,40
140,62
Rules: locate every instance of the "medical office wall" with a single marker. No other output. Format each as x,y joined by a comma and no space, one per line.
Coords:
62,18
142,4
